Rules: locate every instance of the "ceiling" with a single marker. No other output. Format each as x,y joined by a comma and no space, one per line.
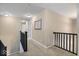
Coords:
66,9
21,9
18,9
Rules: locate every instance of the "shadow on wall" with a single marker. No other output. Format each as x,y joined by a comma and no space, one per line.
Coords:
9,33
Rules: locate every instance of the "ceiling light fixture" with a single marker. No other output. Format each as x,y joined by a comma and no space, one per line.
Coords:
5,14
28,15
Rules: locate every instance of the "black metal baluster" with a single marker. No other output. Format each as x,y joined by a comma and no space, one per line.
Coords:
54,39
57,39
61,40
66,41
73,44
76,44
69,42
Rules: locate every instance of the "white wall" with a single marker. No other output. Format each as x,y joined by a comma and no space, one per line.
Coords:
51,22
24,26
78,25
38,35
9,33
30,29
27,27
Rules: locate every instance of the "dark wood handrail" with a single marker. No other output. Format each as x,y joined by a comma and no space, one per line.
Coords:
65,33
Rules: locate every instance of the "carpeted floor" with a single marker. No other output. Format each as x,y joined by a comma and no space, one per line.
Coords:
35,50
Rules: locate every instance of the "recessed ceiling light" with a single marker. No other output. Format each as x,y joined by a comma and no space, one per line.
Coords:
5,14
28,15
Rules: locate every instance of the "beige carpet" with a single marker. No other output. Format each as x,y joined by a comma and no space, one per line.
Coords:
35,50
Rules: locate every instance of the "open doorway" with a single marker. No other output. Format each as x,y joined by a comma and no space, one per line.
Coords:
26,34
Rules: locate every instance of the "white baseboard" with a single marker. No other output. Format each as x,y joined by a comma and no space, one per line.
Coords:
50,46
10,54
37,42
44,46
